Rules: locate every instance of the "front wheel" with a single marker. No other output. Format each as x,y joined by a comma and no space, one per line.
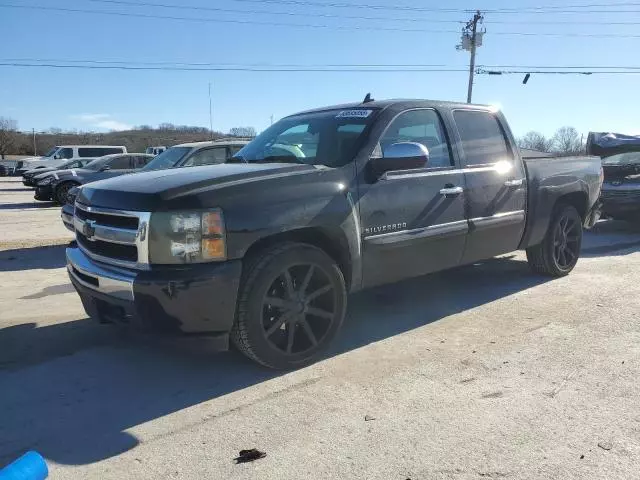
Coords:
60,195
291,305
559,251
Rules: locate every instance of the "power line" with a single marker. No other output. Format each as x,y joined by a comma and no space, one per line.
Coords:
307,65
299,25
479,70
346,17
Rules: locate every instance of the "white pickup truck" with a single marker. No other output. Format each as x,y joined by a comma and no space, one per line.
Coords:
63,153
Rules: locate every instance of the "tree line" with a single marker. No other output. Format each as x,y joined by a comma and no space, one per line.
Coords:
565,141
16,142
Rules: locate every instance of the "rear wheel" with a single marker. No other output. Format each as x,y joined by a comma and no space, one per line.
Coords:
559,251
291,305
60,195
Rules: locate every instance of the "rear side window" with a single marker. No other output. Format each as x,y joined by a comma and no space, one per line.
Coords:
120,163
97,151
483,140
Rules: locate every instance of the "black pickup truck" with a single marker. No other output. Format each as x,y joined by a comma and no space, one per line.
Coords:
322,203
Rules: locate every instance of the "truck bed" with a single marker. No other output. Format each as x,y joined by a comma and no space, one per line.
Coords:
549,178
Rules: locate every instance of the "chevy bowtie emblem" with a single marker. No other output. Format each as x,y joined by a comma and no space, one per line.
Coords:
89,229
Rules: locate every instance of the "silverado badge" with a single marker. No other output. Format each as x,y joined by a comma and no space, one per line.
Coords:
89,229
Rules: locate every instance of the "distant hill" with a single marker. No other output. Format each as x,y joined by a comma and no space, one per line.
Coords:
136,140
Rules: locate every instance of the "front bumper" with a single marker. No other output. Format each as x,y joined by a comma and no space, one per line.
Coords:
44,192
66,214
196,299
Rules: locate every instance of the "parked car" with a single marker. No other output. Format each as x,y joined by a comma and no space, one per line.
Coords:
55,185
325,202
196,154
29,175
620,154
62,154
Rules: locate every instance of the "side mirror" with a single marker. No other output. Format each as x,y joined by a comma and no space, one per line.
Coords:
57,157
105,168
400,156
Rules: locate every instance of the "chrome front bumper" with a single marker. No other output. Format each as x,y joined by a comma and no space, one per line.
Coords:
114,282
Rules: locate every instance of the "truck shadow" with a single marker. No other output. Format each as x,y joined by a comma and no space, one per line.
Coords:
72,390
32,258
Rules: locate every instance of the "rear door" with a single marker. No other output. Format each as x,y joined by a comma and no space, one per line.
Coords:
495,184
413,221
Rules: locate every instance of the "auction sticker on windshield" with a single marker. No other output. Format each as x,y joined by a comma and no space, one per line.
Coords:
354,114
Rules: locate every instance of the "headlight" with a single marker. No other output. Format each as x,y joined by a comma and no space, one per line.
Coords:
187,237
45,181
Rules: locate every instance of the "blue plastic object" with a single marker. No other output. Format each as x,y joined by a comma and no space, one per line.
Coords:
30,466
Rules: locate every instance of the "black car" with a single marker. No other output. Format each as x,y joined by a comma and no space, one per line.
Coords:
28,177
55,185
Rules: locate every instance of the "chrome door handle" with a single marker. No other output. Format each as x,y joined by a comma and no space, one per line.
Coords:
451,191
513,183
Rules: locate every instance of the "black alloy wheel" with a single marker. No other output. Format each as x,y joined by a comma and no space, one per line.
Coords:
566,241
292,303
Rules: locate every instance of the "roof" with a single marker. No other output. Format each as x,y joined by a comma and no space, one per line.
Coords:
401,102
223,142
89,146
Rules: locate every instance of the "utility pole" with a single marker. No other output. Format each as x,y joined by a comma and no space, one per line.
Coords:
210,113
470,40
271,119
35,150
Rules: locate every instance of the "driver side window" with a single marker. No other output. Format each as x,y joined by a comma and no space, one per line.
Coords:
209,156
65,153
420,126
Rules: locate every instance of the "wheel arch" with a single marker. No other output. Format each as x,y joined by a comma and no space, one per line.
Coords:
332,241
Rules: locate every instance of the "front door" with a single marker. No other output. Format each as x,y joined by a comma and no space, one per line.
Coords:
495,185
413,221
117,166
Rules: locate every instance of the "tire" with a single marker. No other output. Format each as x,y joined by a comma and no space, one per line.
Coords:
559,251
60,194
291,304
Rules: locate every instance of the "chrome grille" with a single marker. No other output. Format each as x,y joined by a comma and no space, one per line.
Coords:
116,237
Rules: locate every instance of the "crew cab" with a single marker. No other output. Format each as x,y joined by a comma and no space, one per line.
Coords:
264,250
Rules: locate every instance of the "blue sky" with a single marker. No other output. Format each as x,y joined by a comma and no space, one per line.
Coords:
104,99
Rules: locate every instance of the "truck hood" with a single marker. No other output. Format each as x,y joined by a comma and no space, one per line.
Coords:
164,189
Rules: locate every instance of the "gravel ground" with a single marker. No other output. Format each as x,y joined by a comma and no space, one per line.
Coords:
485,371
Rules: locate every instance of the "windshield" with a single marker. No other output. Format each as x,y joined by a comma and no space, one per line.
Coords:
167,159
329,138
52,152
631,158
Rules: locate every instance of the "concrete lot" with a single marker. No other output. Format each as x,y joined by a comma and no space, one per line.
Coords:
483,372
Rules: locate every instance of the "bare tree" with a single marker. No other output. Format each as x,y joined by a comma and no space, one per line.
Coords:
566,141
243,132
535,141
8,135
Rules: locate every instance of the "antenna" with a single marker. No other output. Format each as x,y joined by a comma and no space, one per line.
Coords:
367,98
